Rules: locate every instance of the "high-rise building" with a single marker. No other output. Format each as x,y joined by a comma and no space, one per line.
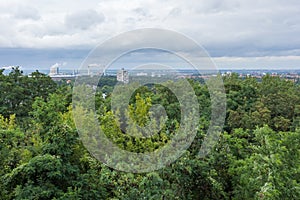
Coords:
123,76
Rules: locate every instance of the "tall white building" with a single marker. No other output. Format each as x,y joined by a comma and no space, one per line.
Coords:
123,76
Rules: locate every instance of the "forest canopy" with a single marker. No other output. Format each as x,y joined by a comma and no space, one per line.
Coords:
256,157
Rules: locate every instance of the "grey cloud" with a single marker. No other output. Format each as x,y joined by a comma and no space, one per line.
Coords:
24,12
175,12
42,30
84,19
246,29
224,28
141,11
41,58
142,14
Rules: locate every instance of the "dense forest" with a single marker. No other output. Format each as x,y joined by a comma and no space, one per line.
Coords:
256,157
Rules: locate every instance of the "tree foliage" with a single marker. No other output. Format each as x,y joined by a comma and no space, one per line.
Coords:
42,157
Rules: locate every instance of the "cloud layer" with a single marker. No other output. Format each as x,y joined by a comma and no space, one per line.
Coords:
249,27
227,28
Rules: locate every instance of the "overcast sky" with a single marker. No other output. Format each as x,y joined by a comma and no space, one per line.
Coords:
236,33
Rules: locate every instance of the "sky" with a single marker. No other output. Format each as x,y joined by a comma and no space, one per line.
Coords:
237,34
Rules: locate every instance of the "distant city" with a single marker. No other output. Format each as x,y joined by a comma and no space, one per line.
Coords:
123,74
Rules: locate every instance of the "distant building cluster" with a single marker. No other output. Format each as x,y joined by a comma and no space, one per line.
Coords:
56,75
123,76
285,74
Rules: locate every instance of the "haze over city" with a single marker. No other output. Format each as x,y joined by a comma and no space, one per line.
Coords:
236,34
